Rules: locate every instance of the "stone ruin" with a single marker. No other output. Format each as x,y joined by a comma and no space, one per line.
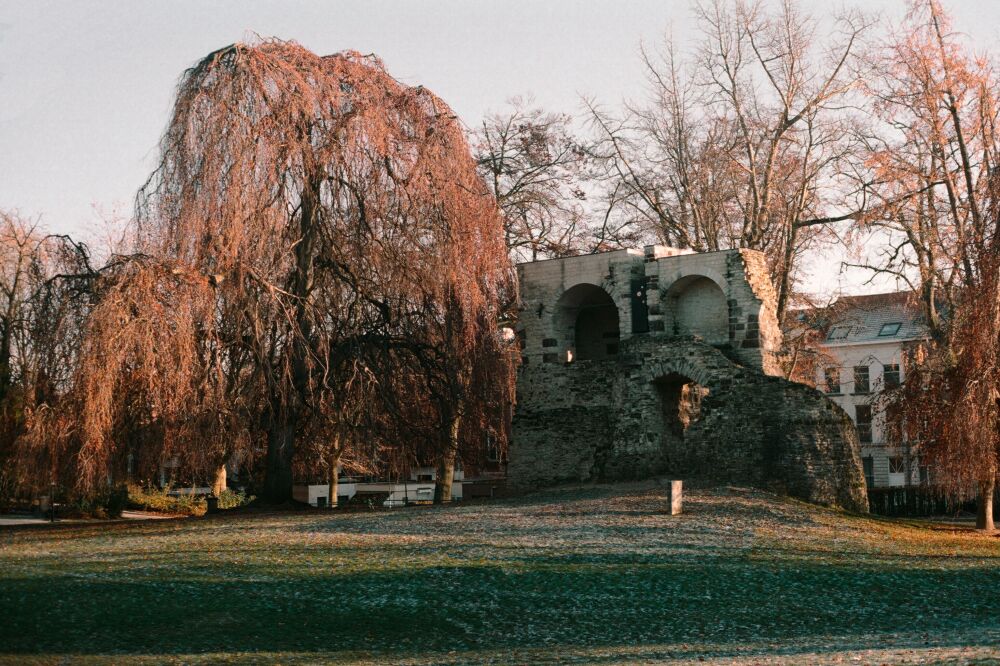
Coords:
665,362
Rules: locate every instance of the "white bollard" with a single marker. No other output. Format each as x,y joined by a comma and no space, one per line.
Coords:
675,492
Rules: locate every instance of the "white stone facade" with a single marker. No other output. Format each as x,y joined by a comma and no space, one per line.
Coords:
862,342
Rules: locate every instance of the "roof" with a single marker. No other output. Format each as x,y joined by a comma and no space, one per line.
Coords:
869,318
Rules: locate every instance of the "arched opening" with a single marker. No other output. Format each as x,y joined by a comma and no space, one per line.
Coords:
696,306
588,320
680,401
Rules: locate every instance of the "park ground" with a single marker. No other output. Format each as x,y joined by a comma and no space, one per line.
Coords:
595,574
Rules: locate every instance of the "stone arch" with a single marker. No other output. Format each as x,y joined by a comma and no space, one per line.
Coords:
696,305
669,390
683,366
678,399
587,323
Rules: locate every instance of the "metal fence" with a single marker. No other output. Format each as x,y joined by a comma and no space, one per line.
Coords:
922,502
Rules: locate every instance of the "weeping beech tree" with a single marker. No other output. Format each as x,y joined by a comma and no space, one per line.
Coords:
454,374
43,300
308,215
150,321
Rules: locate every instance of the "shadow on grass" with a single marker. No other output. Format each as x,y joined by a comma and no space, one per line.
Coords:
543,602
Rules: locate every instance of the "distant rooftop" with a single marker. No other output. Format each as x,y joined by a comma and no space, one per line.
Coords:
869,318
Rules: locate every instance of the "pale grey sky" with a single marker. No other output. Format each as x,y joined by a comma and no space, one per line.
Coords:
86,86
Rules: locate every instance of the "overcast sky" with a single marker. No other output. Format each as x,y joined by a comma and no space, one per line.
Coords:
85,87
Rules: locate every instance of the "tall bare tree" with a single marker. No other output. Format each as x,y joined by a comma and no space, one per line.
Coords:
950,401
746,143
535,168
929,157
934,190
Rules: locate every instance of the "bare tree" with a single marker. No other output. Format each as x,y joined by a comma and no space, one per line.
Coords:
934,188
950,401
534,167
44,299
745,145
805,330
930,156
22,246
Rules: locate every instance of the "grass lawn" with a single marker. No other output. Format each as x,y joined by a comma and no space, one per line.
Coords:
584,575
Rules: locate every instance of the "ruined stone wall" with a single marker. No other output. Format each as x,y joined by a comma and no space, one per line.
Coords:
562,437
751,279
753,428
668,403
603,420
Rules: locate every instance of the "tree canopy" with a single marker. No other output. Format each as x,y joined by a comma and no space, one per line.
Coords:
312,227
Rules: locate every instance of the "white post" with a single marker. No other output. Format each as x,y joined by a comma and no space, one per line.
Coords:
675,497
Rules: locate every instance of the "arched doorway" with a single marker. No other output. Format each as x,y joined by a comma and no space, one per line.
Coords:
680,399
587,319
696,305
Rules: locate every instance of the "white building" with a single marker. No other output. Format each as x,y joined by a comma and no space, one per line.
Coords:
866,337
418,488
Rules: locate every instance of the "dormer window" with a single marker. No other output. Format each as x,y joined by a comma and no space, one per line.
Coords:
839,333
889,330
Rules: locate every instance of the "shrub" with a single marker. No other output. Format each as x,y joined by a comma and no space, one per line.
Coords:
230,499
161,501
106,503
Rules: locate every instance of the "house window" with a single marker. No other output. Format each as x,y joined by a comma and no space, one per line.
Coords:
839,333
868,463
863,419
861,384
492,449
831,379
889,330
925,474
890,375
897,471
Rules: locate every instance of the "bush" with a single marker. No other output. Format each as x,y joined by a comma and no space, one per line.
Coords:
159,500
230,499
107,503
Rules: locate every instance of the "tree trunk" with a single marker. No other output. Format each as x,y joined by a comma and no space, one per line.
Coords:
445,478
446,464
278,477
5,357
281,436
785,279
219,485
984,516
334,478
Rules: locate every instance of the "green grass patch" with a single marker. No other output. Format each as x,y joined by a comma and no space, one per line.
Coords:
597,575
